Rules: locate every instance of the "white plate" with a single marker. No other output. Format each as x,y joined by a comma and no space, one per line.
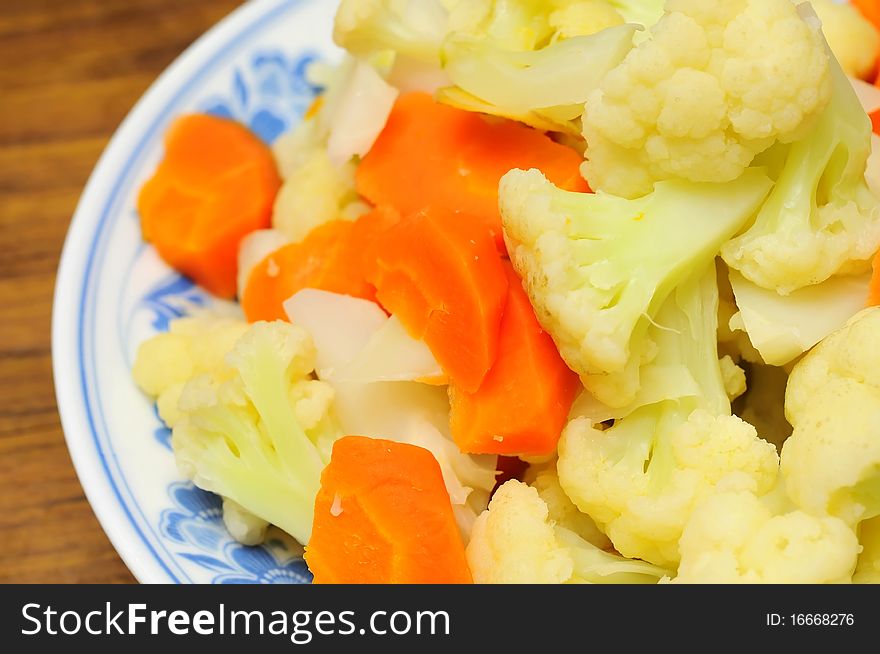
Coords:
113,292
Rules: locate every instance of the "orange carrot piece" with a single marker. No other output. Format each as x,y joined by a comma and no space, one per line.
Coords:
332,257
433,154
445,282
216,184
525,399
383,516
870,9
875,121
874,287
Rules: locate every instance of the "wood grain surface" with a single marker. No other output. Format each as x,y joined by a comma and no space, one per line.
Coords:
69,72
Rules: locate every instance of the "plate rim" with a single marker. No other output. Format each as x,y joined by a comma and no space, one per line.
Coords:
75,266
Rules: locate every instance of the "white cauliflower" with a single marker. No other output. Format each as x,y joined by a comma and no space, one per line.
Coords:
517,542
314,191
258,430
641,479
192,346
544,479
243,525
598,267
714,85
831,461
821,219
732,537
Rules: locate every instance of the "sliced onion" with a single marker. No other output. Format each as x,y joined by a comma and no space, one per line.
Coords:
869,95
358,113
340,325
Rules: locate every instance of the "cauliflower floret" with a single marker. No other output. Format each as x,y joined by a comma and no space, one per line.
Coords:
192,346
732,537
413,28
314,190
258,430
544,479
734,378
821,218
868,568
641,479
853,40
831,461
715,84
516,541
598,267
243,525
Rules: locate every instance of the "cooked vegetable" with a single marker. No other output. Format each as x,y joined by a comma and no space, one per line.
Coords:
831,461
854,40
821,218
382,398
598,267
356,113
411,28
216,183
438,272
782,327
544,479
733,537
320,261
870,9
243,525
257,429
714,85
460,158
642,478
316,193
333,257
357,342
383,516
527,374
516,541
552,82
191,347
254,248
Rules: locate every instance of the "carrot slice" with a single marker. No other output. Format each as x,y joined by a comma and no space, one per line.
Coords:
383,516
433,154
332,257
524,402
445,282
216,184
870,9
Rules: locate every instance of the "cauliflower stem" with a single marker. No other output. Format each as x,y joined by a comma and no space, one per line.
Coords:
598,267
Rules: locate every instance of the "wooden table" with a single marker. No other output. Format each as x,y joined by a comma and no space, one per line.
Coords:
71,71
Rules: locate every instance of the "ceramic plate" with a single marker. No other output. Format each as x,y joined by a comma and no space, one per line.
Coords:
113,292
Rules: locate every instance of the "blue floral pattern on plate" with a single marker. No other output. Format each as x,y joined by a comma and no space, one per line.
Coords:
268,96
196,524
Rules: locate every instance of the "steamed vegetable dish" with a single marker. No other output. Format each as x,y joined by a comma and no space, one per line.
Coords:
543,291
